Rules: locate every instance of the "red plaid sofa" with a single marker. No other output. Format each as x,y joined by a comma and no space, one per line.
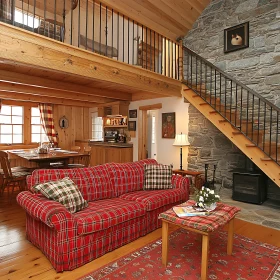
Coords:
119,211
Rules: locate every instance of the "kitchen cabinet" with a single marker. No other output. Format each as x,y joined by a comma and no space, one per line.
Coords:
103,153
113,108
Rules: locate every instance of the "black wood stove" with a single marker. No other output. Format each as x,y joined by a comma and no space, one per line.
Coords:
249,184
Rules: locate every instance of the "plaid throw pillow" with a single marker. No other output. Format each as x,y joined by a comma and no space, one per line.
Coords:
157,177
65,192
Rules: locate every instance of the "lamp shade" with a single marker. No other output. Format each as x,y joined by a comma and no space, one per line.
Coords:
181,140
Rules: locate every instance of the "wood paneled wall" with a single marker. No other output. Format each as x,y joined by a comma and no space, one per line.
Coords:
79,125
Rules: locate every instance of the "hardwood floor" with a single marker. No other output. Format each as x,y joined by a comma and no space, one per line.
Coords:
20,260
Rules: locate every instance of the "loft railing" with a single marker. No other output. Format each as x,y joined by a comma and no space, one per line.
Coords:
249,112
92,26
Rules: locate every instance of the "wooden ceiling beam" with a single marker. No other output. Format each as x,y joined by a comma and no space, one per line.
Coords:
10,95
24,47
47,92
25,79
144,95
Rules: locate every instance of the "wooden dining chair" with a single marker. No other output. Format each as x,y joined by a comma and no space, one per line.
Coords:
75,149
11,177
83,160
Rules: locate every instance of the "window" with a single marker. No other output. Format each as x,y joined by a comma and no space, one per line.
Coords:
26,19
97,127
37,132
11,124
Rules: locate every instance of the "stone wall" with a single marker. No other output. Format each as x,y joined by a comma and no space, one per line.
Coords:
209,145
257,66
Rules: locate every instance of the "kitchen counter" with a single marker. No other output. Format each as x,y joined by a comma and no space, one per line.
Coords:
104,152
107,144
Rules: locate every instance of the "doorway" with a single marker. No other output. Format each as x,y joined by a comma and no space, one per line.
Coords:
152,121
143,134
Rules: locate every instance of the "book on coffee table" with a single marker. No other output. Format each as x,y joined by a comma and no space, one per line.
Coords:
189,211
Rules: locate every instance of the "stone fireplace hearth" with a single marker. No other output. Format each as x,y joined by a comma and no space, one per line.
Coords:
266,214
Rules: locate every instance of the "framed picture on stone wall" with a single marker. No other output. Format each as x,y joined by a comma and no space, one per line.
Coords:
236,37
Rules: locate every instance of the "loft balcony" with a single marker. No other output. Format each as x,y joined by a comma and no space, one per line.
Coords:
86,47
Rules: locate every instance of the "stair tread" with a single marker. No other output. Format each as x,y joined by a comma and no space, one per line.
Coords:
249,132
266,144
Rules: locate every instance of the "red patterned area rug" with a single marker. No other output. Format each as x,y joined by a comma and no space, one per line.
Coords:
250,260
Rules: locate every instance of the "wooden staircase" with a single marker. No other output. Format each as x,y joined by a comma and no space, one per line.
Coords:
237,137
245,117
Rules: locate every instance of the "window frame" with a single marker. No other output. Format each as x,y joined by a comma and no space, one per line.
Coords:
42,131
12,124
94,115
26,125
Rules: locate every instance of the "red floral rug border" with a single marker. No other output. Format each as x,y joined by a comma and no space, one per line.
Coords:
113,266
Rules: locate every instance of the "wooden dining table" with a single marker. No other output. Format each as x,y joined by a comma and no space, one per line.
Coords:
45,160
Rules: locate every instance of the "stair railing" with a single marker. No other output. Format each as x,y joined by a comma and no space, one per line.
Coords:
249,112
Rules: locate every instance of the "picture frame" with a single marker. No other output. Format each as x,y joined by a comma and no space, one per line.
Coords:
236,37
132,114
168,125
131,125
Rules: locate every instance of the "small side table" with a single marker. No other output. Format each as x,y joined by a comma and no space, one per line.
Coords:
197,178
204,225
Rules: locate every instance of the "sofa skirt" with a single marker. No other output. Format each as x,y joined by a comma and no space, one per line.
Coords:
67,250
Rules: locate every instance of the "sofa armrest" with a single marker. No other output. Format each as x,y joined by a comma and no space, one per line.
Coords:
179,181
29,183
40,208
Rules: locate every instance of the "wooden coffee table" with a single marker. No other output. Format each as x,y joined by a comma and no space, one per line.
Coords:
222,215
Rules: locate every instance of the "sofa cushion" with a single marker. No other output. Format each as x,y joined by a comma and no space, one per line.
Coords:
65,192
157,177
128,177
157,198
93,182
103,214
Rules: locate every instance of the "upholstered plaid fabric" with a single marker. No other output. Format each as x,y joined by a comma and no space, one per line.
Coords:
46,115
62,236
65,192
157,177
128,177
40,208
182,182
93,182
156,198
152,220
219,217
103,214
66,250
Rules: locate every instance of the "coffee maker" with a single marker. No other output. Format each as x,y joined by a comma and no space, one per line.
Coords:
111,136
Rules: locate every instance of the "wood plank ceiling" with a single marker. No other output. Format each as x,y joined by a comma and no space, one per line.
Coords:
24,82
171,18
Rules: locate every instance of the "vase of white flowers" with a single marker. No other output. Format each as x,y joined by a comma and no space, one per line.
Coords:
206,198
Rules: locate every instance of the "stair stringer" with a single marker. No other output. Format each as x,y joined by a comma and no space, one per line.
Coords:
270,168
